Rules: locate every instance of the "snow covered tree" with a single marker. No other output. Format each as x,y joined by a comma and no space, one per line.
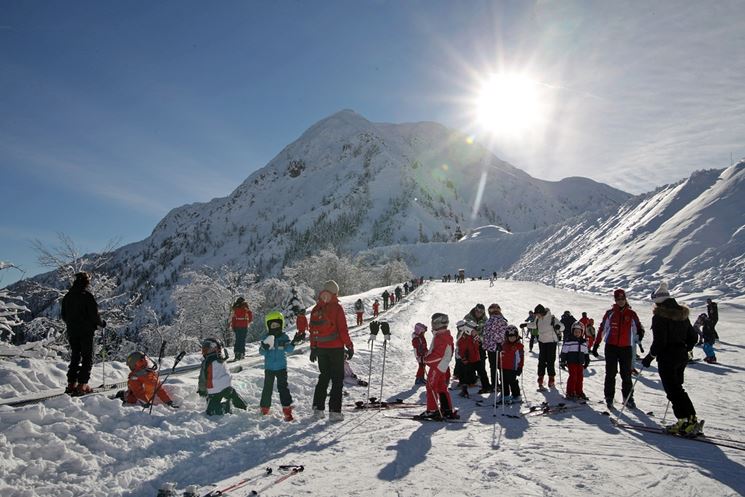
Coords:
11,307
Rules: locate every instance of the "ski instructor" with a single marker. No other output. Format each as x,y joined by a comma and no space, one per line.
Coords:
80,314
328,338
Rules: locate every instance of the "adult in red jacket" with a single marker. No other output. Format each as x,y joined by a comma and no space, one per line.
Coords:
438,376
617,327
240,319
328,338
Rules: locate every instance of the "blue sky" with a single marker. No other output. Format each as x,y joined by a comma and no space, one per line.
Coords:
112,113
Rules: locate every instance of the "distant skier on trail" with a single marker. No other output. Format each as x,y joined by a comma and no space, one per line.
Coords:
79,311
619,323
376,308
359,310
419,342
398,292
241,318
329,337
672,337
385,296
275,345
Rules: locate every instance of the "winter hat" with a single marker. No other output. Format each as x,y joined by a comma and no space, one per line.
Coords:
661,294
539,309
331,286
439,321
420,328
494,308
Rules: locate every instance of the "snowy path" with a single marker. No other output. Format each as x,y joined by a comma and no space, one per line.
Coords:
95,447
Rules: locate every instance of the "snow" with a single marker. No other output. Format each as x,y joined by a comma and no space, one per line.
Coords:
93,446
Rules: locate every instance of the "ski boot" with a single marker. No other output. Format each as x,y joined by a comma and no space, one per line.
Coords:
71,388
435,415
336,416
287,412
264,411
464,392
551,382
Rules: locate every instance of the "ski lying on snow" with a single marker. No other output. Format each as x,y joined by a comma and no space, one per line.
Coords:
235,485
293,471
397,404
426,420
700,437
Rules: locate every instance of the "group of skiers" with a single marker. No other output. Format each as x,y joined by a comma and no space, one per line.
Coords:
480,337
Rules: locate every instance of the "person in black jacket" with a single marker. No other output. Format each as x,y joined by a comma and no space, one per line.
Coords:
712,310
80,314
672,337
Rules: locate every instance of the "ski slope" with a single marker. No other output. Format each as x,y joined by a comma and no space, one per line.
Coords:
93,446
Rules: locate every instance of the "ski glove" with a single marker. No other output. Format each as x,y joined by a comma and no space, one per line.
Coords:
647,361
264,346
313,355
374,327
350,352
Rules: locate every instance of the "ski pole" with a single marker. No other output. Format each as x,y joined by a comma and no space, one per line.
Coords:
625,401
295,470
665,416
382,374
238,484
374,326
160,384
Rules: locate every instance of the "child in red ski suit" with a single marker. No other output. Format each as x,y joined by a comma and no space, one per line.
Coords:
301,321
419,342
468,351
376,308
512,359
438,360
142,382
575,353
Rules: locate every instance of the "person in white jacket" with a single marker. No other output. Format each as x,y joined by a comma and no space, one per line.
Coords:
549,330
215,381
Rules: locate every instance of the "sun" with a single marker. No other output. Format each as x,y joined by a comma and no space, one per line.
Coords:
509,104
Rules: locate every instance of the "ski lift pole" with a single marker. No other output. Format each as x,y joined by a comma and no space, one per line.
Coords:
160,383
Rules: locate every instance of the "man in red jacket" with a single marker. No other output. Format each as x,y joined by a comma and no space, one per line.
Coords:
328,338
618,324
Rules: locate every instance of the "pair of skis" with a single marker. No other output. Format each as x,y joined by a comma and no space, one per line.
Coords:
374,403
234,488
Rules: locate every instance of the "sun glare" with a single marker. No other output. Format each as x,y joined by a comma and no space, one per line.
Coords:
509,104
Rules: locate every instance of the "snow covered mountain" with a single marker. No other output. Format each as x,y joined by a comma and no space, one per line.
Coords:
691,234
353,184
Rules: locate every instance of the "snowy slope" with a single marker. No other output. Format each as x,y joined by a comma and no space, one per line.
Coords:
95,447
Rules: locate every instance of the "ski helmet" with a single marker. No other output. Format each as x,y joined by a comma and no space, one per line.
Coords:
134,358
275,322
512,331
439,321
578,326
210,345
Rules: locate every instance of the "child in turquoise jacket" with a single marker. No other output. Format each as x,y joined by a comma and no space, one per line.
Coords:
275,346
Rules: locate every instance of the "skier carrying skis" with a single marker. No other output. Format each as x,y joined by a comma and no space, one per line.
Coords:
512,357
275,345
619,323
419,342
359,310
214,380
241,319
576,355
493,339
79,311
672,338
439,403
328,338
142,382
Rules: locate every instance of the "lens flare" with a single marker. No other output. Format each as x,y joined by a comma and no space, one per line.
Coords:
509,104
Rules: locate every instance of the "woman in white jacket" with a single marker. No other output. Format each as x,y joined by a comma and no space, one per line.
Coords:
549,331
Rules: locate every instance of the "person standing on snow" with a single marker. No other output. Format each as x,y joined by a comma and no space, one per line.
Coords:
493,339
328,338
548,332
275,345
359,310
376,308
439,403
385,296
419,342
80,313
712,310
478,316
240,320
672,338
619,323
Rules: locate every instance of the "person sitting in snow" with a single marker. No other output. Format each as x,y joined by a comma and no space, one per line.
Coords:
576,355
419,342
275,345
214,380
467,348
512,360
439,403
351,379
142,384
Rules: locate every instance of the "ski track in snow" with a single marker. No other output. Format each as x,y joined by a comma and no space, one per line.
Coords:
93,446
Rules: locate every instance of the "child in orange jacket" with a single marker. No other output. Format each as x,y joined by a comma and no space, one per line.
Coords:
143,381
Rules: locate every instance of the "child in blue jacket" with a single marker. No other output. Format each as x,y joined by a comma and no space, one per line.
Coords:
275,346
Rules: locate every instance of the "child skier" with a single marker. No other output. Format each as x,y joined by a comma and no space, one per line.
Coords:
301,321
439,403
275,345
419,342
512,360
376,308
143,384
468,351
359,310
576,354
709,336
214,380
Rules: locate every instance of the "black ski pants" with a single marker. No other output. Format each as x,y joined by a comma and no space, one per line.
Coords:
481,369
510,383
671,370
81,356
284,392
331,367
618,358
546,359
493,364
